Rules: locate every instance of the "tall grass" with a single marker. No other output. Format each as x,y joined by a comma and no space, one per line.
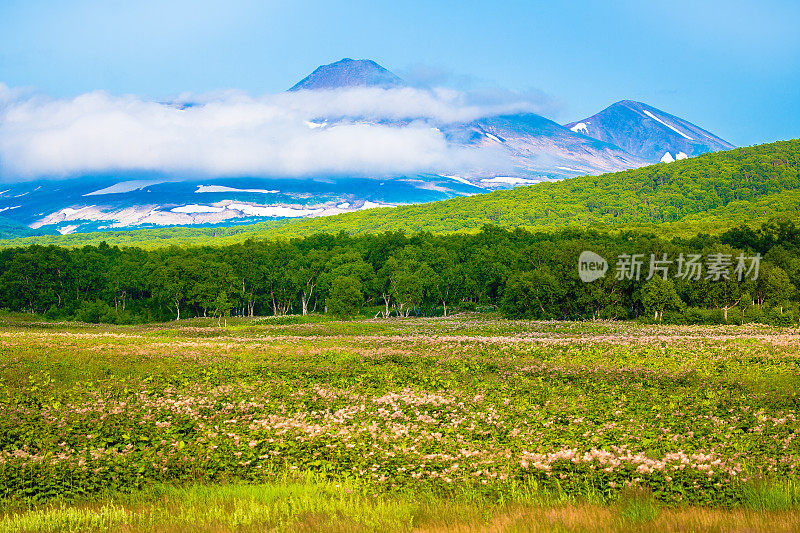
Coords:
772,495
314,504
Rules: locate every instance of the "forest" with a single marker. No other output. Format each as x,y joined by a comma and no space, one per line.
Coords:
519,273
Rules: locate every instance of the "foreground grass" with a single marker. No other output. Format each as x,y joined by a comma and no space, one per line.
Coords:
466,423
314,505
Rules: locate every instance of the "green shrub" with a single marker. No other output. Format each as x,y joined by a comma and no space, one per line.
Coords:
345,298
97,312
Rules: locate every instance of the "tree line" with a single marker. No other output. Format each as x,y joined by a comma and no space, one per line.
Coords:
520,273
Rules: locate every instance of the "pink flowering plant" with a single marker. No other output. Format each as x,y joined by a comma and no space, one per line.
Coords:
690,414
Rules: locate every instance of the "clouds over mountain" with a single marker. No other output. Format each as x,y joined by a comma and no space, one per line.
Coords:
367,131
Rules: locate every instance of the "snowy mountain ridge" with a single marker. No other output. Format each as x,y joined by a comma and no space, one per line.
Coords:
530,147
649,133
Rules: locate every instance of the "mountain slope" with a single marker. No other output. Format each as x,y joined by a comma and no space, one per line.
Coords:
11,229
150,199
648,132
349,73
712,192
709,193
540,147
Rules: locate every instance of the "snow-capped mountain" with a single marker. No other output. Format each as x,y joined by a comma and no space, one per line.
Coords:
541,148
537,148
525,148
649,133
349,73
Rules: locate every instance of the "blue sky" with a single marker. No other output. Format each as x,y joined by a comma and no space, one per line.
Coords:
730,67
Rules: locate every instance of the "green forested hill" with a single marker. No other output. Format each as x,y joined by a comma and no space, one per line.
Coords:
709,193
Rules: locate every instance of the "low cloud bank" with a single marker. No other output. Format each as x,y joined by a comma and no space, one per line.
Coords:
379,132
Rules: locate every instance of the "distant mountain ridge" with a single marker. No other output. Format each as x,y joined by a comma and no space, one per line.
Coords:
538,149
649,133
525,148
631,134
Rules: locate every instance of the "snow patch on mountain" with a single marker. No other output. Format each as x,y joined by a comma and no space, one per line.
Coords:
71,212
580,127
509,180
125,186
224,189
272,210
195,208
373,205
461,180
181,215
66,230
673,128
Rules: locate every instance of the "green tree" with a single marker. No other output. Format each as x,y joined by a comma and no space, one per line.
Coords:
534,294
222,307
307,270
345,297
772,287
448,279
412,282
659,295
171,281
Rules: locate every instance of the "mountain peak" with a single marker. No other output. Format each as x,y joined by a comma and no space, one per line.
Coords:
349,73
648,132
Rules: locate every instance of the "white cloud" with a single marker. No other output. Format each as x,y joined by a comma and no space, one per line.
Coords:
389,132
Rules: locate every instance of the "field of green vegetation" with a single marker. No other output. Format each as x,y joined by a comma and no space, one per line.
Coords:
470,423
710,193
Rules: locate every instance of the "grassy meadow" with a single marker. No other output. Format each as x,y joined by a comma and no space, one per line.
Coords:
466,423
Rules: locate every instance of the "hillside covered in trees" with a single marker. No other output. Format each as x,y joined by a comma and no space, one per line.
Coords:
710,193
521,273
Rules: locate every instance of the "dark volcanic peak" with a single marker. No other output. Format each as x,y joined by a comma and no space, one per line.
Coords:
648,132
349,73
